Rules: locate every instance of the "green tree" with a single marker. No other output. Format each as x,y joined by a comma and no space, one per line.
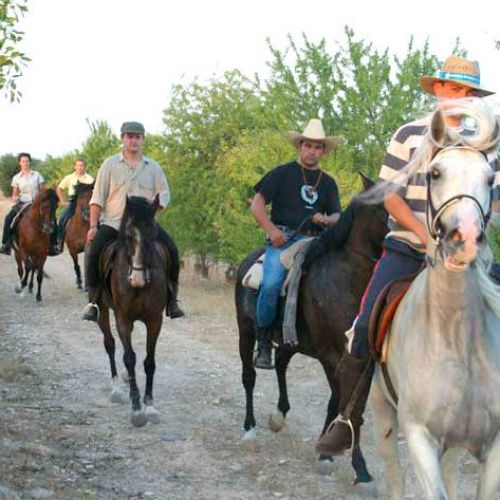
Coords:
12,60
201,121
8,168
101,143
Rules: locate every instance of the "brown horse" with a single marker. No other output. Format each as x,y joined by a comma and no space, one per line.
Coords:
31,239
78,226
134,283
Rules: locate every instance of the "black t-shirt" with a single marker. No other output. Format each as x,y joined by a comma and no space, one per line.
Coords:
292,200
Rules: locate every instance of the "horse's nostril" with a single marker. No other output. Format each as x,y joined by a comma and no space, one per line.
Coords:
481,237
456,236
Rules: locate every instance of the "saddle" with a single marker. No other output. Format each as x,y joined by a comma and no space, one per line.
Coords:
380,322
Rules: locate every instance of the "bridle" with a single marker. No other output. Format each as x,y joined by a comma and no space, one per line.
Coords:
433,214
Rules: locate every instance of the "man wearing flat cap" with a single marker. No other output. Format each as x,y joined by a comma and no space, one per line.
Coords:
128,173
303,199
404,246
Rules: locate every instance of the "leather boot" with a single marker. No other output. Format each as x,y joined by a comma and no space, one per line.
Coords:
263,358
173,310
354,379
91,310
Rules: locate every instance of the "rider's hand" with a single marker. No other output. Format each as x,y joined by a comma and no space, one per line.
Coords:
422,235
91,233
319,218
277,237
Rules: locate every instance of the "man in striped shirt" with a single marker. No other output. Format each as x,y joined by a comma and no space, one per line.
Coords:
404,247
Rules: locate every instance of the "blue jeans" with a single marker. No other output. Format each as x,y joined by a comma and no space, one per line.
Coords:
274,275
398,260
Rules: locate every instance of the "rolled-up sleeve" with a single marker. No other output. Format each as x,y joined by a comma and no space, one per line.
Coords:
161,187
101,187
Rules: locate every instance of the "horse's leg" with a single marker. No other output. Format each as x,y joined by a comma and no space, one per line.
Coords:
489,479
386,433
248,376
325,463
76,267
25,275
124,326
39,279
449,464
153,328
424,453
117,395
282,359
32,277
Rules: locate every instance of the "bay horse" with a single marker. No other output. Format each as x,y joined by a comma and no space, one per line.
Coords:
78,226
443,351
328,301
133,272
31,239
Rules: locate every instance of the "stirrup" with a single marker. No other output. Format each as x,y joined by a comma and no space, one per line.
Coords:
347,421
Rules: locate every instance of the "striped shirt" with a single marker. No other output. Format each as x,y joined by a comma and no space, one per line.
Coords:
399,153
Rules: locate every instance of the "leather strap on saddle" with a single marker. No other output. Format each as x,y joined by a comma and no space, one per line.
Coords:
381,319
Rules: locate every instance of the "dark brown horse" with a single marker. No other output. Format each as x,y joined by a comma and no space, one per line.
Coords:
78,226
329,298
133,273
31,239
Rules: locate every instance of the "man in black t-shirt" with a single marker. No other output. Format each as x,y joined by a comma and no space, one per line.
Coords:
303,199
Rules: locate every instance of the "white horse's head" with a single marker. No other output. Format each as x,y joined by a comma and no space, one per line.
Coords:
459,184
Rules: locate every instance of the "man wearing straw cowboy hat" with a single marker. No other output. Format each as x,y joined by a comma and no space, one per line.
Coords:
404,247
303,198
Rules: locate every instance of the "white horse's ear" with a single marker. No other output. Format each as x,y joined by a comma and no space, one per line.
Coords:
438,128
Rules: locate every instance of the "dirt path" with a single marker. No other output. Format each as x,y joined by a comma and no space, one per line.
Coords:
61,437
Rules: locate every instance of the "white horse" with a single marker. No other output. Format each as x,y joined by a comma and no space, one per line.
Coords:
443,353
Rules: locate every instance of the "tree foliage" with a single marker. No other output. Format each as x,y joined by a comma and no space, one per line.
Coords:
12,60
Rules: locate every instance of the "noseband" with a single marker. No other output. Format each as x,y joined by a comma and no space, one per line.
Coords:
433,214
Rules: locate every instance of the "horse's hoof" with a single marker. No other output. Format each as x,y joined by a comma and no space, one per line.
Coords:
325,467
366,489
152,415
79,286
138,418
18,289
250,441
118,396
39,299
125,377
276,421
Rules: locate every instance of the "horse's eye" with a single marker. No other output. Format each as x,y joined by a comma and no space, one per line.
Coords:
435,173
491,180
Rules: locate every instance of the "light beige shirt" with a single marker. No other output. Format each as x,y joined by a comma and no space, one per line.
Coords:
116,180
71,180
28,186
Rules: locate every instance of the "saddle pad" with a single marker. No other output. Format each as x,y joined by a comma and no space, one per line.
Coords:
253,277
383,312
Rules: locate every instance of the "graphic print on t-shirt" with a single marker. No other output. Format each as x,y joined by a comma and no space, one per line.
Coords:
309,194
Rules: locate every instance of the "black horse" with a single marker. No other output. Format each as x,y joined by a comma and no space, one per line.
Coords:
329,299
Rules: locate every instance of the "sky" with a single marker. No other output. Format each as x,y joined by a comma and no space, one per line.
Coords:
116,60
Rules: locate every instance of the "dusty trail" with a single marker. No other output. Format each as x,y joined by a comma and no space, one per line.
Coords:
61,437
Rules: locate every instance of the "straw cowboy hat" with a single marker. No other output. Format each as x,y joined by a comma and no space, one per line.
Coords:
459,70
313,132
